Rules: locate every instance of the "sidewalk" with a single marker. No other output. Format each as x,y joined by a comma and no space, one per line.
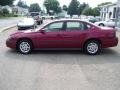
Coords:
7,23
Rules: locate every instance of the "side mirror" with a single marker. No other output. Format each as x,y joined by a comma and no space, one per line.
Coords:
42,31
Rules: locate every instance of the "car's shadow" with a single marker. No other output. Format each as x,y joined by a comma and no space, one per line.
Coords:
66,56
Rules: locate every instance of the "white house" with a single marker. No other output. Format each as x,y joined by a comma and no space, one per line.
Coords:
19,10
109,11
9,8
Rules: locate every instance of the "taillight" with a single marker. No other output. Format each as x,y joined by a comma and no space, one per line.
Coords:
113,34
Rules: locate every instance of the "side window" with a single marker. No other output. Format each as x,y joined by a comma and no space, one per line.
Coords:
72,26
54,27
87,26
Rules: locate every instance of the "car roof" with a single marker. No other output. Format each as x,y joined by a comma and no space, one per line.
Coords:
80,20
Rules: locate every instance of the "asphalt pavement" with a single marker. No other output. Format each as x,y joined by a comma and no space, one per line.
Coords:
9,21
58,70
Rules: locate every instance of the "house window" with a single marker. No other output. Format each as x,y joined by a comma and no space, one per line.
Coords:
114,13
110,14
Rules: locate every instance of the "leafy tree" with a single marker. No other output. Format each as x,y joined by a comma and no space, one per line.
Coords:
22,4
104,4
82,7
87,11
6,2
73,7
65,7
5,11
52,5
34,8
59,10
96,11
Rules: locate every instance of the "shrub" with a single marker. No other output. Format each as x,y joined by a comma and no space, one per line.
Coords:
5,11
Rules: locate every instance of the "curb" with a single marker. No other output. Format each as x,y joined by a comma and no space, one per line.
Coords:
8,27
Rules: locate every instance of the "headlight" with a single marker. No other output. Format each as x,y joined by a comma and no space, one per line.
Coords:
11,38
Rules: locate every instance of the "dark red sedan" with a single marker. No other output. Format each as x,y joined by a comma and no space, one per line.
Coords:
64,34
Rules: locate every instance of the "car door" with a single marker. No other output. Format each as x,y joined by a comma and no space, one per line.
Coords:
51,38
75,34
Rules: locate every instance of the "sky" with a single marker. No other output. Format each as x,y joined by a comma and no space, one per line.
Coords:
92,3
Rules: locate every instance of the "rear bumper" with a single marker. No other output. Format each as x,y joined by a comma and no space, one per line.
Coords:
111,42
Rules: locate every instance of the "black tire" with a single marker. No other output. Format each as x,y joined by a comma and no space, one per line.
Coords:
39,22
101,24
35,26
43,18
19,28
51,18
92,50
21,48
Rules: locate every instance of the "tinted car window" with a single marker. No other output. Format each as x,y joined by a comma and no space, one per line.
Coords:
34,14
77,26
73,25
54,27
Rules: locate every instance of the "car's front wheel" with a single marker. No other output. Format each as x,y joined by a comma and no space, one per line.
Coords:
24,46
92,47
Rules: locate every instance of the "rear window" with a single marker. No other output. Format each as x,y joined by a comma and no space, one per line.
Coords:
77,26
34,14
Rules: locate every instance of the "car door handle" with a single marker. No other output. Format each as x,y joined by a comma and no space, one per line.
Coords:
66,36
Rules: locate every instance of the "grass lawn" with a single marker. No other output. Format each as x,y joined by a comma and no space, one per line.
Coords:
1,17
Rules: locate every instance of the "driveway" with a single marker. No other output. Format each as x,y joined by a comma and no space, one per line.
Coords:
9,21
58,70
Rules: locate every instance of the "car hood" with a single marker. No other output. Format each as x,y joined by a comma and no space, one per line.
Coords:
23,32
100,22
25,23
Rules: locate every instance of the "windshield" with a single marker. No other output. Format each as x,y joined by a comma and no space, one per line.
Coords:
28,20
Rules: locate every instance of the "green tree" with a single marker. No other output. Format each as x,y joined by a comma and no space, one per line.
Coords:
96,11
82,7
6,2
65,7
73,7
34,8
59,9
5,11
88,11
52,5
22,4
105,3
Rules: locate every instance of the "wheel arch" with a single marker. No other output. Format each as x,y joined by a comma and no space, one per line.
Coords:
24,39
92,39
101,24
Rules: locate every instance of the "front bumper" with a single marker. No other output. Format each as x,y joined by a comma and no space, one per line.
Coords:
11,43
26,27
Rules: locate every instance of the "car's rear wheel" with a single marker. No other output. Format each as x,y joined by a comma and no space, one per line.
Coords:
39,22
24,46
92,47
19,28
